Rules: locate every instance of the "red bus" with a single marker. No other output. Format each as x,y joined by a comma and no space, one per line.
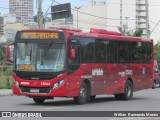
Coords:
62,62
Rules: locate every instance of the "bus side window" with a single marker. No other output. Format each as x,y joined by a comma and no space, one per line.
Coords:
149,52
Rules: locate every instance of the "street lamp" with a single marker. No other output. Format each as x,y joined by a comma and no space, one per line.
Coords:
77,14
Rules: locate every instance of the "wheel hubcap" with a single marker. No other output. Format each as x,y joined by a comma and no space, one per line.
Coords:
129,90
83,93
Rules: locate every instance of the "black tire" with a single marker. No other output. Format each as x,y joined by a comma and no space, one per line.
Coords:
154,84
39,100
92,98
128,92
82,98
118,96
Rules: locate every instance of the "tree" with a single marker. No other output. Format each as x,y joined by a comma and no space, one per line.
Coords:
137,33
122,30
157,53
3,53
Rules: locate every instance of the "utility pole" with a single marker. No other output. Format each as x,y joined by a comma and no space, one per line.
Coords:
40,14
77,8
126,28
147,20
121,9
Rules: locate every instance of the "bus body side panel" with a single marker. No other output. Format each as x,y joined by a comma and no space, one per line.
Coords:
110,78
140,75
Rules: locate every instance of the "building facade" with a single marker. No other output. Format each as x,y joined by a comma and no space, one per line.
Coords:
133,14
142,16
1,26
10,19
23,10
91,16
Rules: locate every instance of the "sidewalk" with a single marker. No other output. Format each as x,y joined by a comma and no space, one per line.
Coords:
5,92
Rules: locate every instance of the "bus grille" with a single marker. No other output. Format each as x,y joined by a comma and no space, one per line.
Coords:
41,89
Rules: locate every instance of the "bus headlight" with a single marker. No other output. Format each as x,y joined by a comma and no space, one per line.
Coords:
59,83
55,85
16,83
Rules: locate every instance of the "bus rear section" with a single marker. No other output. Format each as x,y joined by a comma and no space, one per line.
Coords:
67,63
156,75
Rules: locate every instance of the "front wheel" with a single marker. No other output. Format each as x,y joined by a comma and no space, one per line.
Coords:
39,100
82,98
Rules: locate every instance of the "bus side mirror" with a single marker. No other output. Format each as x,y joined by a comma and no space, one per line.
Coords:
73,53
9,52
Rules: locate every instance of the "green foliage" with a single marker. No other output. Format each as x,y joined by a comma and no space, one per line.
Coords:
5,77
3,53
136,33
121,30
157,53
6,85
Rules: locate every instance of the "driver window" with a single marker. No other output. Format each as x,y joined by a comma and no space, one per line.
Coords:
73,63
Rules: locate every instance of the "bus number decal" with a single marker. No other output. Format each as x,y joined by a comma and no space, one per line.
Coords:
97,71
126,72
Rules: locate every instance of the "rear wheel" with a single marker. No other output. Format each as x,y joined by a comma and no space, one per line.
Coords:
82,98
154,84
92,98
128,93
38,100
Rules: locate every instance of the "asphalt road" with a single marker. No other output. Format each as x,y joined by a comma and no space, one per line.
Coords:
144,100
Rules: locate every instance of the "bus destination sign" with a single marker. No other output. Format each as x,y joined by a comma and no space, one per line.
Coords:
39,35
26,67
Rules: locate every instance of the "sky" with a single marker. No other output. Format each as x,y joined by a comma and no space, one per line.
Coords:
4,4
154,14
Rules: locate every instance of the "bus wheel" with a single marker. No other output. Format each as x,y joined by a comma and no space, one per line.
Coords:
128,92
118,96
82,98
92,98
154,84
38,100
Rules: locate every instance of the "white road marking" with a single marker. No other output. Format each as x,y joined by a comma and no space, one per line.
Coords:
50,108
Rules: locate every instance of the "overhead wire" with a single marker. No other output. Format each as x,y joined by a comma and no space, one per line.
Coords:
93,15
105,17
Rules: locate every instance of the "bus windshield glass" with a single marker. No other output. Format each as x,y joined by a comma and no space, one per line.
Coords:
40,57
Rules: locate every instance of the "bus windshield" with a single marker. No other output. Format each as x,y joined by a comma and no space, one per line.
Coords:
40,57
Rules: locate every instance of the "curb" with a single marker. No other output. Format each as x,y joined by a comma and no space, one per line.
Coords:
5,92
6,95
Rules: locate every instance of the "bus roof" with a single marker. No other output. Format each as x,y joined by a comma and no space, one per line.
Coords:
98,33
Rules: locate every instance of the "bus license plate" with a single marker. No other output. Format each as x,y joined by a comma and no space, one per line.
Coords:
34,90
